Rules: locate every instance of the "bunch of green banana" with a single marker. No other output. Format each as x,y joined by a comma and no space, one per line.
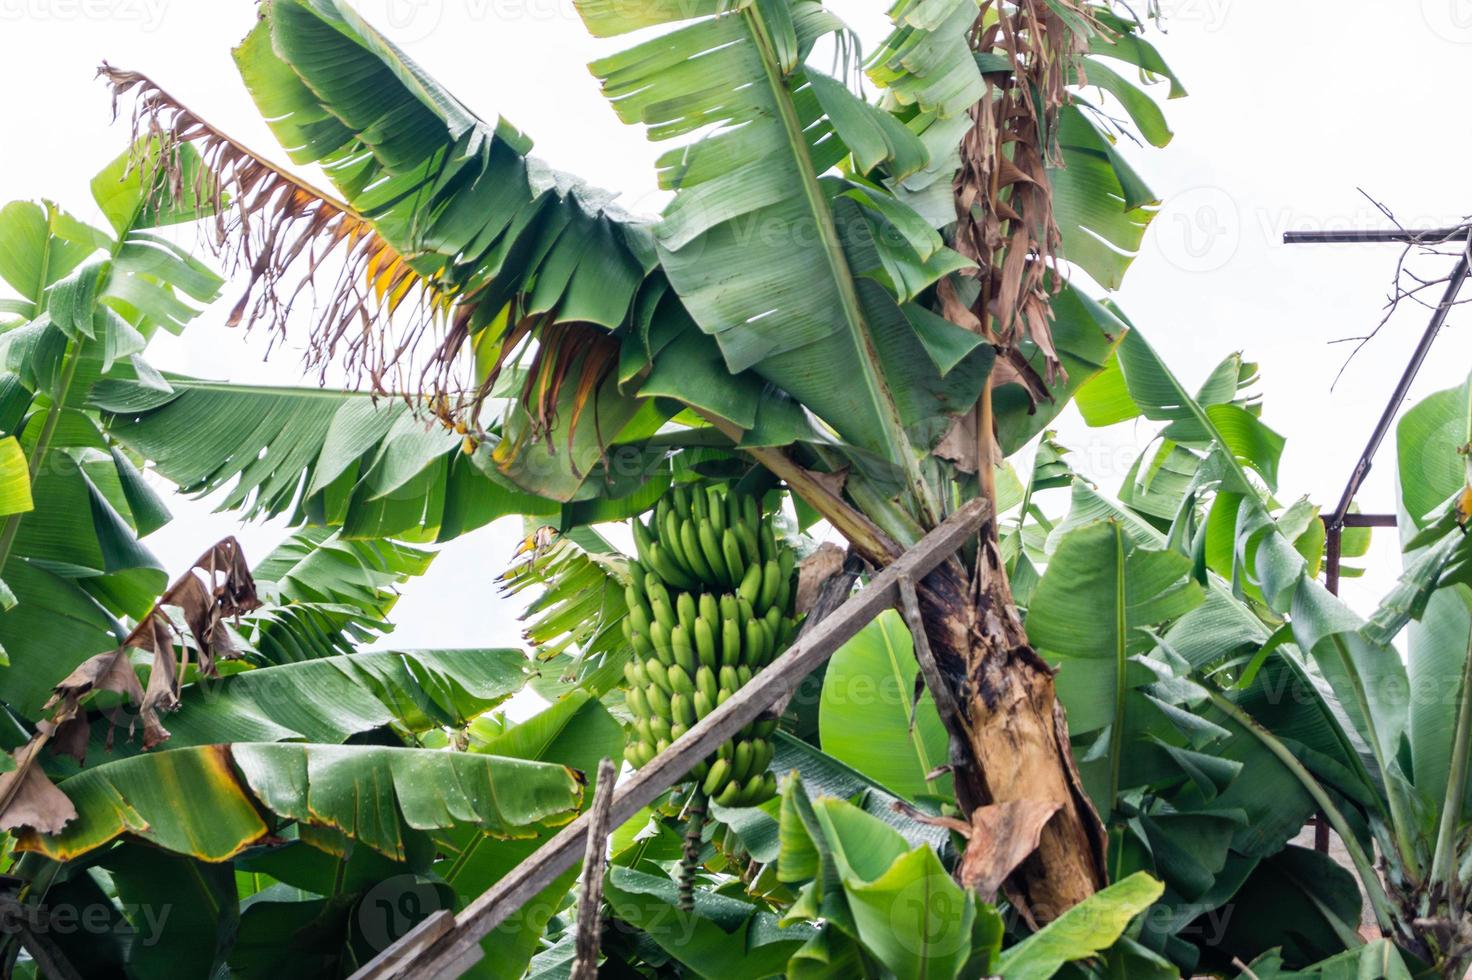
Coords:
710,604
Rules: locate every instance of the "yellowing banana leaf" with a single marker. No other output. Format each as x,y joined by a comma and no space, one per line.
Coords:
208,802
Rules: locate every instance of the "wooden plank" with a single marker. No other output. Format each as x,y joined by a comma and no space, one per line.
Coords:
595,862
561,852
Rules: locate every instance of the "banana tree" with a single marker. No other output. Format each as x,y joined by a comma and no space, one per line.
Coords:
824,303
1289,702
210,773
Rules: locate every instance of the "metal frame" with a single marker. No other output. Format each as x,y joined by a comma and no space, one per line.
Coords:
1341,518
445,945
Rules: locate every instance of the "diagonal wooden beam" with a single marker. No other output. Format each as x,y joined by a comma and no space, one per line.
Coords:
451,952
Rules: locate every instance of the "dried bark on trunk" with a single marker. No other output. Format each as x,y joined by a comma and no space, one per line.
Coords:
1013,731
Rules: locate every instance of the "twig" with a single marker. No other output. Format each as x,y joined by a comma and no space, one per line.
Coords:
595,862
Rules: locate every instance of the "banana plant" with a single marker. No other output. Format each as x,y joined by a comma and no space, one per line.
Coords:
1313,698
808,310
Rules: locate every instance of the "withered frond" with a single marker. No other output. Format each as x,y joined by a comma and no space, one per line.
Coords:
218,586
1004,201
282,233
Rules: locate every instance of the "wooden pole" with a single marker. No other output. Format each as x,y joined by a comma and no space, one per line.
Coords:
458,949
595,862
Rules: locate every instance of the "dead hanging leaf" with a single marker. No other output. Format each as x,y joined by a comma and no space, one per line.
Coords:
999,837
279,232
959,444
217,587
1004,201
815,570
1002,836
27,797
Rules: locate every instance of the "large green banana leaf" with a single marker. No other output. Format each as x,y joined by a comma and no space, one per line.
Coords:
376,469
800,309
207,801
869,716
329,701
1090,616
89,300
574,731
1082,931
517,250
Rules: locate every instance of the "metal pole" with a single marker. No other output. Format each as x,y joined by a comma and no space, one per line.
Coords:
1404,236
1402,387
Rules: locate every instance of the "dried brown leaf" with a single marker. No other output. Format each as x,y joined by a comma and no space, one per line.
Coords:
814,570
27,797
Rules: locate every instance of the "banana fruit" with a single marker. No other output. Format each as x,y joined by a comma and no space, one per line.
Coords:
711,602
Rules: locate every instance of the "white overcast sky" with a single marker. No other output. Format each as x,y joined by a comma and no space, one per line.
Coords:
1293,106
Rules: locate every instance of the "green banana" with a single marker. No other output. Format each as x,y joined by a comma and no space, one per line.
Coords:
730,642
659,728
683,649
639,619
731,552
659,702
682,710
658,674
716,778
659,638
741,763
717,510
699,558
756,644
750,588
680,682
705,682
637,703
659,560
685,609
751,790
711,548
643,539
669,539
771,586
705,643
704,705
